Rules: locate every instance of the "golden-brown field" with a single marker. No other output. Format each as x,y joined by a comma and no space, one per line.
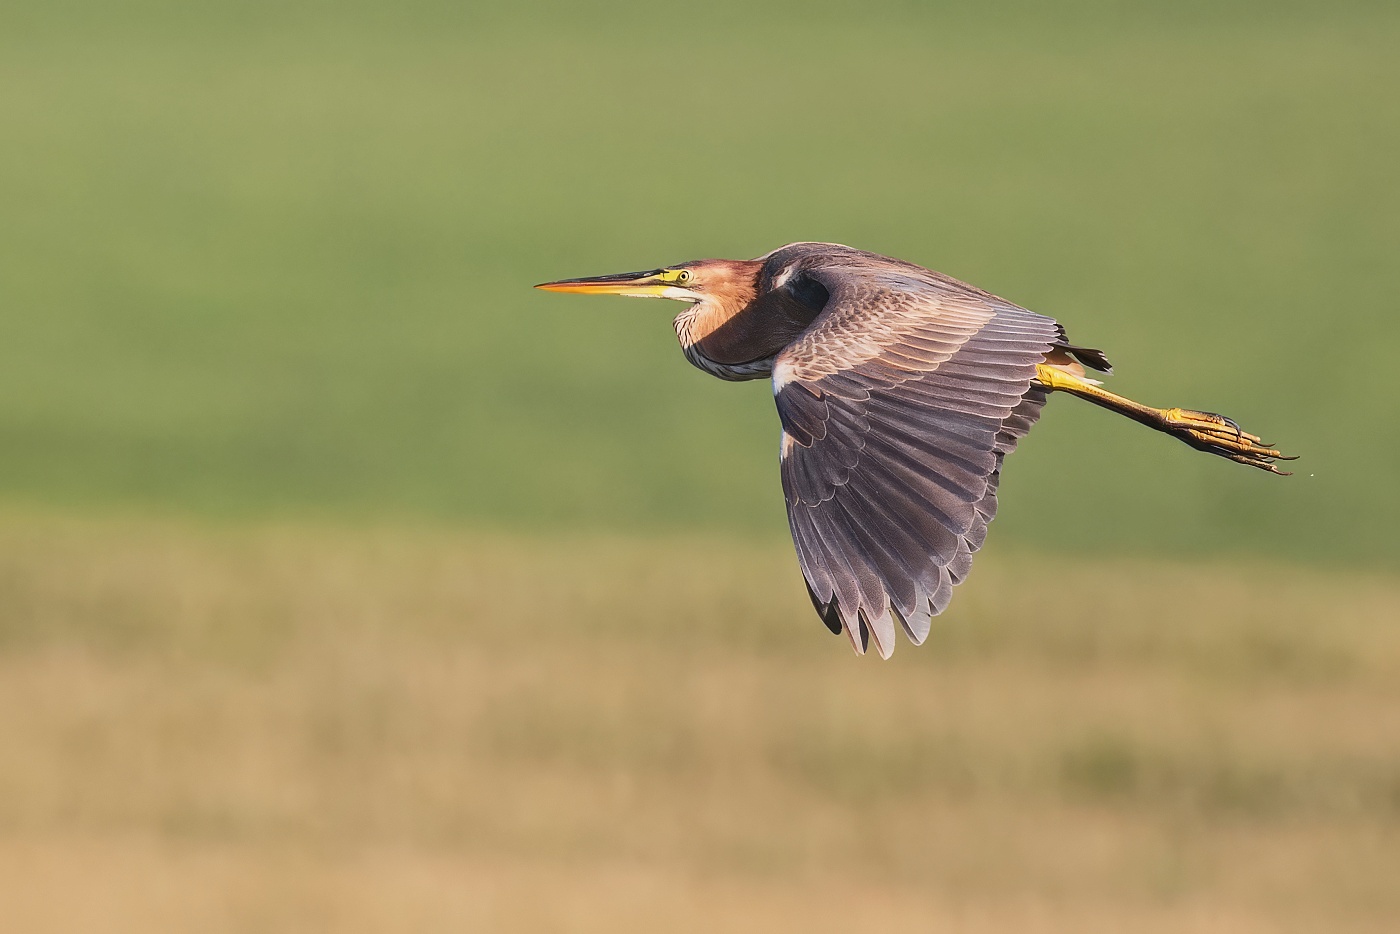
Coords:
301,729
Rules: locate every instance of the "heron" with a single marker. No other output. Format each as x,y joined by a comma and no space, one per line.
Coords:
900,391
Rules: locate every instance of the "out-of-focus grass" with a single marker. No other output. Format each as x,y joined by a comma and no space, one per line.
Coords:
295,728
274,258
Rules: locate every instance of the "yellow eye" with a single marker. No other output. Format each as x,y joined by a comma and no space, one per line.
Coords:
685,275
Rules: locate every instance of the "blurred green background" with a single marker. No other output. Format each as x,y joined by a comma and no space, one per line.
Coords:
273,259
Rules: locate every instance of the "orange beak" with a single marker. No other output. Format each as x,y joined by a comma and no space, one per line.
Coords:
645,284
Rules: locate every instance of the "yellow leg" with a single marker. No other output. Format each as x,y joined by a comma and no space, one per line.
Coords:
1204,431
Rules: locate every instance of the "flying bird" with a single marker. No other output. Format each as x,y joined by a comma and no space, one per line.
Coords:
900,391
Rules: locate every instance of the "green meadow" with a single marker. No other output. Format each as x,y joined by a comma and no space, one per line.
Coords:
348,584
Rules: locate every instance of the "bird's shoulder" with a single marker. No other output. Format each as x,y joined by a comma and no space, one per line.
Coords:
878,313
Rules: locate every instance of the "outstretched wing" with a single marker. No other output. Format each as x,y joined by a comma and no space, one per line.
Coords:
898,404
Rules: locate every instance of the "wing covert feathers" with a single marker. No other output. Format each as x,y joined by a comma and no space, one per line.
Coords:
898,404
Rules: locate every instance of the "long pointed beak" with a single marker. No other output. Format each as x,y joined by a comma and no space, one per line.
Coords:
647,284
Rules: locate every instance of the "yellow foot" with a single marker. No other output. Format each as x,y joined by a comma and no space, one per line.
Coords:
1206,431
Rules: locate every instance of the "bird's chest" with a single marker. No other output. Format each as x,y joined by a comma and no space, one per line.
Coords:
736,345
696,336
734,372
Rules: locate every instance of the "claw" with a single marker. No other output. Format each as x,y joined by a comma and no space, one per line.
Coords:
1263,463
1217,434
1225,419
1210,422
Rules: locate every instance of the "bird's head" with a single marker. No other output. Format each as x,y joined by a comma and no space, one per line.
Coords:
702,280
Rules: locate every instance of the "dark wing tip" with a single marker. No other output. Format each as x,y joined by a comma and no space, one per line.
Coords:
829,613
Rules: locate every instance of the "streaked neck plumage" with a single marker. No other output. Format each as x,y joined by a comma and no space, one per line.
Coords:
736,329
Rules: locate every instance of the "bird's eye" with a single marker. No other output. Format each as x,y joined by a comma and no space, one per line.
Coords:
685,275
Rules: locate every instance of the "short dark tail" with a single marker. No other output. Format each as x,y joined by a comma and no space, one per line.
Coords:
1093,359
